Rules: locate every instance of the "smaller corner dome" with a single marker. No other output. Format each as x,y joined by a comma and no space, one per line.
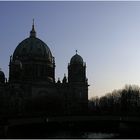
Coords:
76,59
2,75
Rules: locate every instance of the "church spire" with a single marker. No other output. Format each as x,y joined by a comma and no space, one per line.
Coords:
33,32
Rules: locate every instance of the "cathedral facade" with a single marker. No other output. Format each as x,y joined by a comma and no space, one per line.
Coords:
32,88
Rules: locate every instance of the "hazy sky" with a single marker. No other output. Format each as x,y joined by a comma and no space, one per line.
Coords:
106,35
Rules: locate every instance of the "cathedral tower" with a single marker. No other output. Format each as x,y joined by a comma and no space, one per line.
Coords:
77,70
78,84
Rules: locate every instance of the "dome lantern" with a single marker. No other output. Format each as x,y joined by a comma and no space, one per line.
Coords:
33,32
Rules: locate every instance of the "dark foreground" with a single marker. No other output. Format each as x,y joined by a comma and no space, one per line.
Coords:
94,129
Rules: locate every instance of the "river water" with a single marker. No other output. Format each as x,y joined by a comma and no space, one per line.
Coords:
59,134
89,135
43,132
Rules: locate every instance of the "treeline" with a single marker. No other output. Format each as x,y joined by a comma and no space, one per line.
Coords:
124,101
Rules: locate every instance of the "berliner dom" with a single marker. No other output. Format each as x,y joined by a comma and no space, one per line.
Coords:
31,88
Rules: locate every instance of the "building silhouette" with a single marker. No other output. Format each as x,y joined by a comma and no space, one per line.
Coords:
32,88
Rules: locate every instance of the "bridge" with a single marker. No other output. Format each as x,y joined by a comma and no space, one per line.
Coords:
74,122
64,119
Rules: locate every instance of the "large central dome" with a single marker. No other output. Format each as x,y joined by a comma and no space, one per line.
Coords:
32,61
32,47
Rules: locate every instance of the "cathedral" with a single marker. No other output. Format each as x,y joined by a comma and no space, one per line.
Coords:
31,88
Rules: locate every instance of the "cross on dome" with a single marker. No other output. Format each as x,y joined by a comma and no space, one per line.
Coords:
33,21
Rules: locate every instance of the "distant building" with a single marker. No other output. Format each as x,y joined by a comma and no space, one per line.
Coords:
32,88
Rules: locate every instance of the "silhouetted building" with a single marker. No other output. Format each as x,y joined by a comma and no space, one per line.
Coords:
32,89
